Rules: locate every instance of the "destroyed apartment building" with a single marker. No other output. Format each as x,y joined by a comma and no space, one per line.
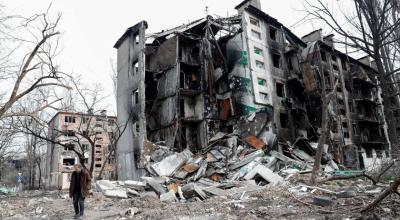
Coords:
245,76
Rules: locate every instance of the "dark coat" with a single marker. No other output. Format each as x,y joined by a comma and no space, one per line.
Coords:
85,183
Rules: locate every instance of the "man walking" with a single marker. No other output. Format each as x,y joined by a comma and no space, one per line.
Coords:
79,188
20,181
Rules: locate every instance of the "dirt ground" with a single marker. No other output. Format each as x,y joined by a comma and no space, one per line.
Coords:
270,203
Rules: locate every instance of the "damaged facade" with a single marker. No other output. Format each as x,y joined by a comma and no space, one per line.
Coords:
249,75
67,128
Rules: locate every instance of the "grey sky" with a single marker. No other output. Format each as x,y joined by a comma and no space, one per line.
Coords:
91,27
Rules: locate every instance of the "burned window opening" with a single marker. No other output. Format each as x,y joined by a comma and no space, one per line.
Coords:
68,161
276,60
69,147
323,55
190,77
284,120
273,33
344,64
290,64
280,89
69,119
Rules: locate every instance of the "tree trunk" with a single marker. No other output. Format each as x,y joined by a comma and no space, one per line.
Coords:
321,142
392,188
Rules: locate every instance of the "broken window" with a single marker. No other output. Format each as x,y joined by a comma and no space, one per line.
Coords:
283,117
254,22
98,152
368,151
68,161
354,128
69,133
340,102
98,146
69,147
346,135
69,119
264,96
97,165
335,67
343,112
260,64
272,33
395,113
280,89
258,51
323,55
86,160
344,124
334,58
327,79
290,64
351,107
111,121
344,64
276,60
137,127
135,68
256,34
137,39
98,159
85,120
262,82
136,97
85,147
111,160
392,101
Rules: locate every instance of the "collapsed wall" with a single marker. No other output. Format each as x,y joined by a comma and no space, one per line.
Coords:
246,75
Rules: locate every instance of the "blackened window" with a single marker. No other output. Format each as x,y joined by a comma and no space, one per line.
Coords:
272,33
69,119
284,120
280,89
323,55
276,60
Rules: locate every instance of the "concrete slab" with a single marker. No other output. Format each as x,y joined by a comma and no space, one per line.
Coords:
266,174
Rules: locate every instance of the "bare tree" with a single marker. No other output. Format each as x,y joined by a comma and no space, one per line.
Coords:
373,28
7,148
114,135
90,127
22,75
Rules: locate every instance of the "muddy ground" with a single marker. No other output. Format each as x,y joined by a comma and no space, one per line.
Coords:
270,203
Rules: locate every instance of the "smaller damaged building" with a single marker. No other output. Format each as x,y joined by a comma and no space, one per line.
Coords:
246,75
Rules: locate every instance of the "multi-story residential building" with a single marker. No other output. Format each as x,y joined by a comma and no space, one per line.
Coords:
247,74
78,132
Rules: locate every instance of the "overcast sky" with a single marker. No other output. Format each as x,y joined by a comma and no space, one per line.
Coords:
91,27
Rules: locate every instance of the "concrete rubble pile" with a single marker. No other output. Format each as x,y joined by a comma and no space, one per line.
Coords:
232,166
